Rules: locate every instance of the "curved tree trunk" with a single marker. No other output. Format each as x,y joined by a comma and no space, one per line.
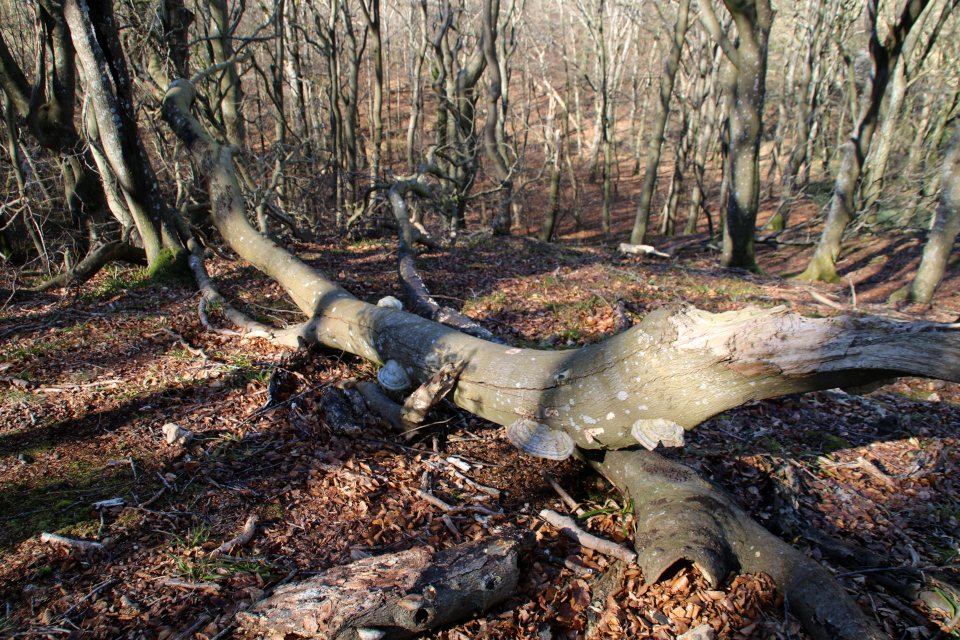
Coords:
679,366
884,57
946,225
671,372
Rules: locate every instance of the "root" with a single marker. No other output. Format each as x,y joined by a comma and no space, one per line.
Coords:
681,516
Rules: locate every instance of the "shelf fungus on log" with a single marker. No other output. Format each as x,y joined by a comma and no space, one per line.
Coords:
392,377
397,595
540,440
651,433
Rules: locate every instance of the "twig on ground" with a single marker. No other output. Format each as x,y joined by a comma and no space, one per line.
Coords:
97,589
205,320
825,300
450,509
572,504
85,545
875,472
249,528
574,568
155,497
588,540
179,338
192,586
204,619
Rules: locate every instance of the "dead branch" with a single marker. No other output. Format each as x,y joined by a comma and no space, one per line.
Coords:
190,586
428,394
204,619
588,540
84,545
572,504
249,528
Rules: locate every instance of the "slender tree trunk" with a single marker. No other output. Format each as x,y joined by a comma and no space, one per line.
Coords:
946,225
753,20
659,126
108,86
877,161
488,42
372,17
416,96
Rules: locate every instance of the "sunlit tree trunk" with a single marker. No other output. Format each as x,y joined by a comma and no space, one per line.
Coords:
946,225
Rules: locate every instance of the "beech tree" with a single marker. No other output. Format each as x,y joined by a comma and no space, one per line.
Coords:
611,404
645,386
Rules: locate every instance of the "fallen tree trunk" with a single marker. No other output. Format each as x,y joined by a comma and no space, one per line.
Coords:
671,372
396,595
649,384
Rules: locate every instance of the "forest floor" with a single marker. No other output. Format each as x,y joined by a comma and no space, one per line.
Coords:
88,378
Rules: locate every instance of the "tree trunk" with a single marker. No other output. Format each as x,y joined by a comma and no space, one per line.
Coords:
109,89
598,394
488,42
416,96
372,17
677,368
946,225
659,126
753,20
877,162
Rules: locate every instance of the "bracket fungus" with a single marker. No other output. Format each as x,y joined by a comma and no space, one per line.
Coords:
651,433
392,377
540,440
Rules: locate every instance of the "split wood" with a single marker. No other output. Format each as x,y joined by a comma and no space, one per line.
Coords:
587,540
245,536
85,545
